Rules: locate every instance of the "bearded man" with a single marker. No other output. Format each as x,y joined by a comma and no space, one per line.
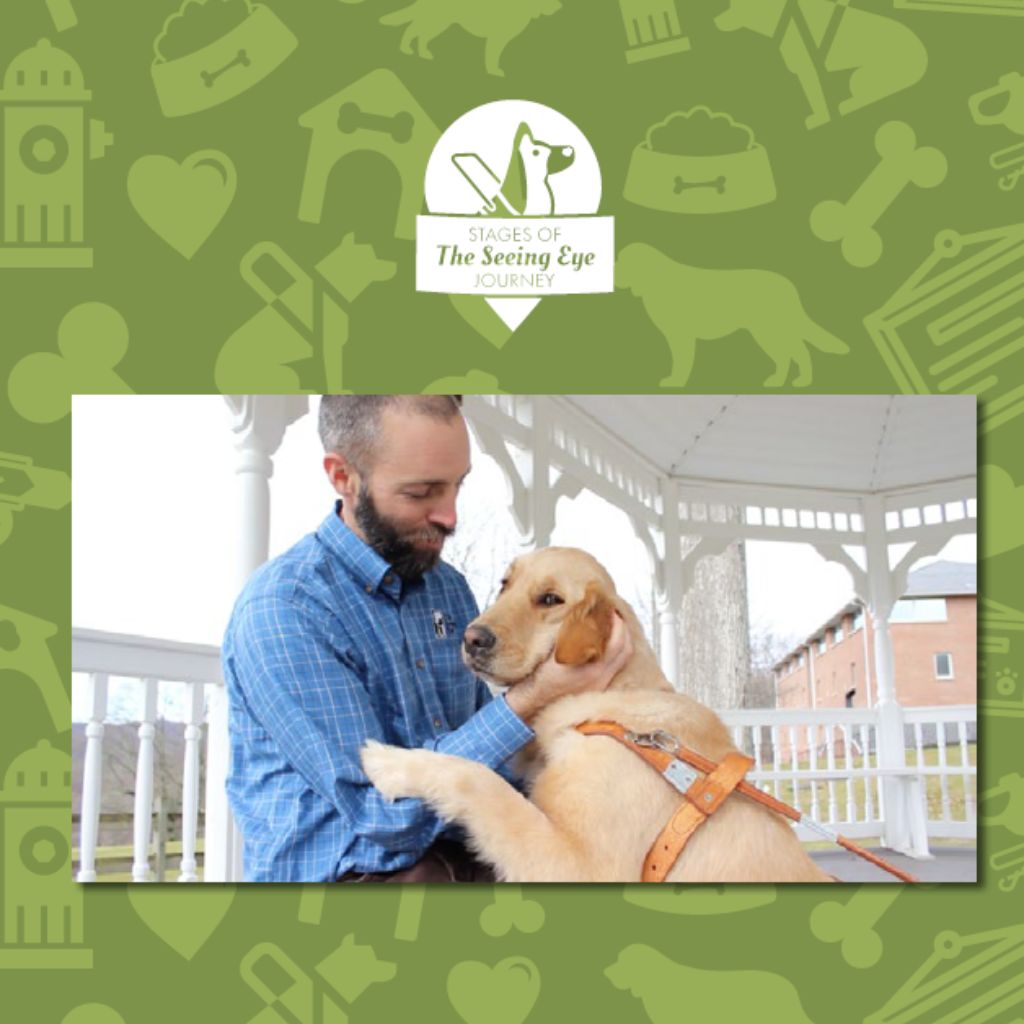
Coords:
355,633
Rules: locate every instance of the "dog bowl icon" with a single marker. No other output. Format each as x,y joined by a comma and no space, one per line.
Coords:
190,77
699,161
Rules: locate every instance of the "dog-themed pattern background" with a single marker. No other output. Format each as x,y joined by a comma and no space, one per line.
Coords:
221,196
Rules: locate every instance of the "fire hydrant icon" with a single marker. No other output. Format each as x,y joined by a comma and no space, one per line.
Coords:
46,139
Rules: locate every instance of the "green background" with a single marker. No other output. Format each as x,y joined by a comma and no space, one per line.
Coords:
176,956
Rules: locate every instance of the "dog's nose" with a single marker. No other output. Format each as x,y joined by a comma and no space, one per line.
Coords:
478,640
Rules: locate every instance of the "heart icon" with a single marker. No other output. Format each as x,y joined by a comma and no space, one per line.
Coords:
183,916
183,202
503,994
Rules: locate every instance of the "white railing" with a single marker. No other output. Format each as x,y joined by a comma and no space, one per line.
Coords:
96,658
825,762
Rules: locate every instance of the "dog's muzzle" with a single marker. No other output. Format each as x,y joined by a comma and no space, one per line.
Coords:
478,642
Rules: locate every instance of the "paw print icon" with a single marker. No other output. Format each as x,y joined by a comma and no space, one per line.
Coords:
1008,699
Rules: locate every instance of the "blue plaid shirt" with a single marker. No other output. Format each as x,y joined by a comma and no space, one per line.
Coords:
326,647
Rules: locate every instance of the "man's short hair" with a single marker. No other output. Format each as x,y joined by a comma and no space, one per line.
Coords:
350,424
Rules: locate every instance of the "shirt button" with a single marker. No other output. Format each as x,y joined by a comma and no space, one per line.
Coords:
388,579
437,723
420,663
369,588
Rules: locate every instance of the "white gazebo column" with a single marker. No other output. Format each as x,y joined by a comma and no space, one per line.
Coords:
542,499
258,423
669,598
891,745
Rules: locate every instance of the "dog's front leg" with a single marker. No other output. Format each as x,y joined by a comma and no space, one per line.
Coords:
506,830
796,47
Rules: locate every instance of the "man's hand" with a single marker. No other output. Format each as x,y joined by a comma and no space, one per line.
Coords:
552,680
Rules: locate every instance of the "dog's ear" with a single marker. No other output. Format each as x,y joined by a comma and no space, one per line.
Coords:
586,629
513,188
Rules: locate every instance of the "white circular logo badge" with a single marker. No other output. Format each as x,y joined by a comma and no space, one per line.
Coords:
513,189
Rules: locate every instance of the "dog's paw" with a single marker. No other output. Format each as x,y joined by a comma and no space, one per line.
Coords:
391,769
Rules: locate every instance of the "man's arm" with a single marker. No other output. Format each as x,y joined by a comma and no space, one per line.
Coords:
310,695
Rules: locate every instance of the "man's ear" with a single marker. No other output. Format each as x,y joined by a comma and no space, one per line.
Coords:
586,629
344,477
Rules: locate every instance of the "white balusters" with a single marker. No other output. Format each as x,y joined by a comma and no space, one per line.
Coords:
776,760
851,810
940,742
92,775
830,762
190,784
143,816
812,761
794,761
865,747
965,778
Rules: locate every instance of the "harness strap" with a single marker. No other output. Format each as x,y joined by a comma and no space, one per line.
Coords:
705,795
703,798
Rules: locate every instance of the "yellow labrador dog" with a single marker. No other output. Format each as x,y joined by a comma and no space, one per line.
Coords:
594,807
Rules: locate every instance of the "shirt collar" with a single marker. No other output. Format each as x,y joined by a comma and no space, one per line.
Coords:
366,567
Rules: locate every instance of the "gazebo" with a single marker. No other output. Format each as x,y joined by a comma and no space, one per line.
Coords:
872,482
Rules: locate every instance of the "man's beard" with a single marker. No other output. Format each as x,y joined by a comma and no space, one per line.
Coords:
398,547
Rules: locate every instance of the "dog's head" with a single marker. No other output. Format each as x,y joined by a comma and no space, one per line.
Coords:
632,968
543,156
545,8
760,16
634,266
558,600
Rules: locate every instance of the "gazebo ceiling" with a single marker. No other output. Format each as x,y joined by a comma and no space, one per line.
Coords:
854,443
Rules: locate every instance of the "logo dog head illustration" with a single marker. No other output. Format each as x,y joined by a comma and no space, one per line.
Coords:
527,185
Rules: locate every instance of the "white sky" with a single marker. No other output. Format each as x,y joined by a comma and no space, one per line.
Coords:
155,511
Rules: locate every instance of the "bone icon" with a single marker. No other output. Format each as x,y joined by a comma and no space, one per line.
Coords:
351,118
901,163
718,184
852,924
209,77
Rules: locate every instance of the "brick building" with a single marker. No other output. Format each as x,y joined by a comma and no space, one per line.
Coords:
934,639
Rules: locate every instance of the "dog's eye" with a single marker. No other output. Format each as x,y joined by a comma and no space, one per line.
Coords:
549,599
504,584
536,152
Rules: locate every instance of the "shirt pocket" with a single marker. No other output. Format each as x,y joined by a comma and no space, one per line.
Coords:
455,684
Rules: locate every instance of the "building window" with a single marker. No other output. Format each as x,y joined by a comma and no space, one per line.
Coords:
858,621
822,644
800,662
944,665
849,697
837,635
919,609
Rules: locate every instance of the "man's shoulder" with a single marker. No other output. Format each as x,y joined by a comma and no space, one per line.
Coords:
289,581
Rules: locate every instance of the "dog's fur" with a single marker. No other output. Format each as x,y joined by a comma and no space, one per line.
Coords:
595,807
688,304
498,22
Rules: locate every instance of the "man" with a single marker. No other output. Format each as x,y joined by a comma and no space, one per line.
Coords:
354,634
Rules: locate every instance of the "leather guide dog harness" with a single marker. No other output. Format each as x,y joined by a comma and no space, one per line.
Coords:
705,784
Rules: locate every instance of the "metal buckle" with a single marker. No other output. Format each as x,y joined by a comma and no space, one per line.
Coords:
659,739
